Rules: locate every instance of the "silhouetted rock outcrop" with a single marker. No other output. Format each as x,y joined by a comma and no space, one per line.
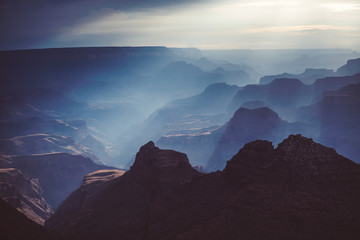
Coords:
137,194
300,190
213,147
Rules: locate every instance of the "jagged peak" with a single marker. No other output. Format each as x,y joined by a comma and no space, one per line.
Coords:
294,141
150,156
148,146
297,158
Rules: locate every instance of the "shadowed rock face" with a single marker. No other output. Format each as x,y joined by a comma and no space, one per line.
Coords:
298,161
16,226
350,68
336,116
137,194
212,148
248,125
300,190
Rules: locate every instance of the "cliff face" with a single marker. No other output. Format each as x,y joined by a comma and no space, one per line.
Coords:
24,194
300,190
351,67
58,174
336,118
130,199
280,93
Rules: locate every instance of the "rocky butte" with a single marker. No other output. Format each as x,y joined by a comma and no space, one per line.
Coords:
299,190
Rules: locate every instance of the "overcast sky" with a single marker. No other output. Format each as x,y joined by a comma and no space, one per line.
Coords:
205,24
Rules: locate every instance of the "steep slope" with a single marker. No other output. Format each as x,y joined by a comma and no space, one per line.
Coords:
24,194
58,174
334,83
212,147
15,226
300,190
213,100
248,125
336,119
183,116
128,209
351,67
74,134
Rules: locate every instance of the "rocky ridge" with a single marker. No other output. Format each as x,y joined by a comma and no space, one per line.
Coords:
299,190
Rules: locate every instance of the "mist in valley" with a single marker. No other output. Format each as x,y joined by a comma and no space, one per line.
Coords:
184,99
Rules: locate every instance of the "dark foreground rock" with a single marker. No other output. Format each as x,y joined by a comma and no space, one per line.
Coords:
299,190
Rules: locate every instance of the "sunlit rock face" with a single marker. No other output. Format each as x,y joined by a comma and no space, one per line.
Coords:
57,174
24,194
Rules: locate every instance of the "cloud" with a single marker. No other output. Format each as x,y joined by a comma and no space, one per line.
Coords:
202,24
25,24
342,6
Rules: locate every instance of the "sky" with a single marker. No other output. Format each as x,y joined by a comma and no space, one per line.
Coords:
204,24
